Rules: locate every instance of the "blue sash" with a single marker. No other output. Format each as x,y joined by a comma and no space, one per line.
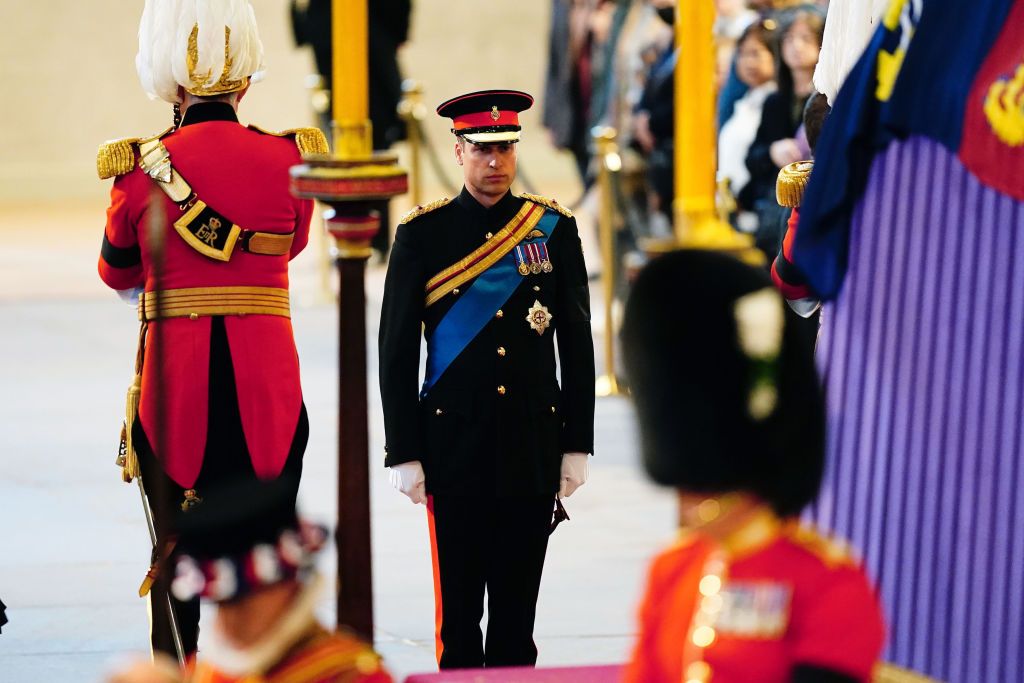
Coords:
476,307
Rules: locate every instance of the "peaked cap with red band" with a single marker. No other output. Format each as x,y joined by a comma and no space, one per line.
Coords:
487,116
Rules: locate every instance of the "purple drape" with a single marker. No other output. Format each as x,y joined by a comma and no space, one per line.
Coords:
922,356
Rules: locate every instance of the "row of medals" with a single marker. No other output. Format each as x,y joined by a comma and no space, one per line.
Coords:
537,265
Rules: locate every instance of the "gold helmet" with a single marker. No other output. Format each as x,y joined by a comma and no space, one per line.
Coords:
207,47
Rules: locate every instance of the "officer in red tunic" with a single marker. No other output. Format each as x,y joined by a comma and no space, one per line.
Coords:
731,416
201,227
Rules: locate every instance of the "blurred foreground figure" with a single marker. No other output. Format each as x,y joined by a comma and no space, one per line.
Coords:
731,416
912,231
247,551
200,229
490,440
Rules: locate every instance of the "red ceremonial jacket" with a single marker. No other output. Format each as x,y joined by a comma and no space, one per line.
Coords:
320,658
786,597
243,174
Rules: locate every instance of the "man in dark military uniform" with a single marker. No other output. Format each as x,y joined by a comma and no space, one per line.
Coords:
202,224
494,282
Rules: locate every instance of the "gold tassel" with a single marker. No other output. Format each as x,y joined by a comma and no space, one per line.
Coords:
130,468
127,458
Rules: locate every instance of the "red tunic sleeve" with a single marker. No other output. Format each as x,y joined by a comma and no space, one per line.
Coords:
642,662
841,626
304,214
120,263
665,613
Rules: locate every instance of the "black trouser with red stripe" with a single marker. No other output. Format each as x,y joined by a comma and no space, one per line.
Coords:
495,545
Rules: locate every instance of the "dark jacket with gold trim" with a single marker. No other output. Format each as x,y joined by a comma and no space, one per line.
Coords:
243,173
499,419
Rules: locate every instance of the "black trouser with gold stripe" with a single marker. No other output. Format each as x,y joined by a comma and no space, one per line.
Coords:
495,545
225,459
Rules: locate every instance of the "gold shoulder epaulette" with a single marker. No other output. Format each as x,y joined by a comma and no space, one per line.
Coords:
833,551
308,140
426,208
117,157
550,203
789,187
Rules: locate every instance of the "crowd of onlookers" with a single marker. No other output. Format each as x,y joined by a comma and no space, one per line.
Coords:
612,63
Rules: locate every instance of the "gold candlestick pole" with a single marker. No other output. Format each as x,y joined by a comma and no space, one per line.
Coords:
350,98
412,111
610,162
697,225
349,182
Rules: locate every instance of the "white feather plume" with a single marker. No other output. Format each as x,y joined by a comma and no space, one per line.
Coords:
848,29
162,60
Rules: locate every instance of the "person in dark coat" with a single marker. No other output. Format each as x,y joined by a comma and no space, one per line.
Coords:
567,82
776,143
494,282
388,30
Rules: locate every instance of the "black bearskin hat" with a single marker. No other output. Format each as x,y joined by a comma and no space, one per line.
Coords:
240,538
723,381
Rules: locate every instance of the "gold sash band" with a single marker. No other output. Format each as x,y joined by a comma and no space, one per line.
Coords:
196,302
468,267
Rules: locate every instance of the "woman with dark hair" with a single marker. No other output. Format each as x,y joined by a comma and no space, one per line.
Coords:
755,67
776,143
731,416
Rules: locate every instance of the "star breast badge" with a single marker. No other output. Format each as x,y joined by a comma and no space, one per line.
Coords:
539,317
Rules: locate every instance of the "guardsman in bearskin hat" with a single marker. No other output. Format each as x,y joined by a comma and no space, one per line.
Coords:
731,416
494,281
246,550
201,227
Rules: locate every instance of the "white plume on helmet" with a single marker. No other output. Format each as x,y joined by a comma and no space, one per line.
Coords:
166,39
848,29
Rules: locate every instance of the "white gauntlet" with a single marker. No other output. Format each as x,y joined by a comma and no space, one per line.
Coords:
410,480
575,467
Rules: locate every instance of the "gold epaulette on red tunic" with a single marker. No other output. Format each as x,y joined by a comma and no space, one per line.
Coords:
548,202
117,157
791,183
425,208
308,140
831,550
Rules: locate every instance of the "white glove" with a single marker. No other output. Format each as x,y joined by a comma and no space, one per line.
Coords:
410,480
575,467
131,296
